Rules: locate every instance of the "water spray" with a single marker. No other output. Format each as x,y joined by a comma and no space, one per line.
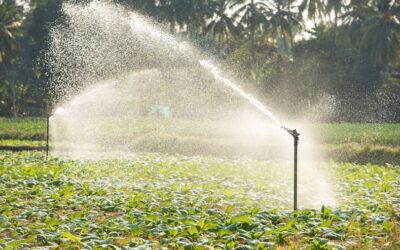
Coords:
295,135
83,42
256,103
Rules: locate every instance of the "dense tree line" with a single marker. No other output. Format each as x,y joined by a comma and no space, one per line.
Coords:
333,59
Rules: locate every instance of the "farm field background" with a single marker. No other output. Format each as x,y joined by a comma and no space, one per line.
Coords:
326,133
150,200
343,142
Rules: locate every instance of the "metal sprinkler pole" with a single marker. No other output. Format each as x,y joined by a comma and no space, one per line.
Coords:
296,136
47,137
48,115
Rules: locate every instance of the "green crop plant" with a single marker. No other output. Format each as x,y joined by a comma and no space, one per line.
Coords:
155,201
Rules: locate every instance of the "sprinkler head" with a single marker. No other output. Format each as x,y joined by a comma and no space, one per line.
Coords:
293,132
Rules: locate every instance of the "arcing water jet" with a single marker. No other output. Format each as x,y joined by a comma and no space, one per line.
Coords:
256,103
110,66
252,100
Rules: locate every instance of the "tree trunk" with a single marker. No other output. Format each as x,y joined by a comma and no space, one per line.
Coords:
13,93
336,17
252,31
172,26
227,39
14,99
315,21
252,44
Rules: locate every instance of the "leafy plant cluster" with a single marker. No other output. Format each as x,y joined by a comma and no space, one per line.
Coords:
160,201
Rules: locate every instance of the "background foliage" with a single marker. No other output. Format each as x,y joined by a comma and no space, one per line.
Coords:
329,60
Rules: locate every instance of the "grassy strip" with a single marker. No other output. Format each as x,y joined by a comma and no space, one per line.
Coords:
332,133
360,153
348,152
23,128
25,143
361,133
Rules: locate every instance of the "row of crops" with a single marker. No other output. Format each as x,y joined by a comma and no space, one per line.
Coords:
152,201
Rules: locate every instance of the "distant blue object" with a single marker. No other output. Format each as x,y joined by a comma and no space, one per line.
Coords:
160,110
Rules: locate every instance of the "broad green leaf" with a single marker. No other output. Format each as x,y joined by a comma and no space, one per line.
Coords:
241,219
71,237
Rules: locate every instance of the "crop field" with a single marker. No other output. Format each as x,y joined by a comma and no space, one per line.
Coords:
171,201
163,201
152,201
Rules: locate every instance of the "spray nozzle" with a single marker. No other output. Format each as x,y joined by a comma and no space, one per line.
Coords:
293,132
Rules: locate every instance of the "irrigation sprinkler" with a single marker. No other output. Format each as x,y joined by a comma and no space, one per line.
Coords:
47,137
48,115
295,135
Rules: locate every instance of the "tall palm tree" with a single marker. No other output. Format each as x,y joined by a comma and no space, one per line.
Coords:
10,28
375,28
252,18
188,15
381,32
222,25
283,22
335,7
355,15
148,7
314,9
168,10
194,14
